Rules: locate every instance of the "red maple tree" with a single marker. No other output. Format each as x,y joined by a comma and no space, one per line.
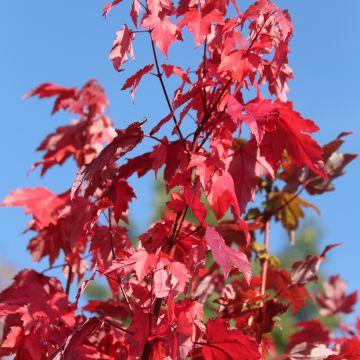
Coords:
160,287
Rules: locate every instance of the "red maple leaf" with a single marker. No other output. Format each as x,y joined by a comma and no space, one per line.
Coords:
163,31
39,202
109,6
225,344
134,80
225,256
122,46
199,24
334,299
124,142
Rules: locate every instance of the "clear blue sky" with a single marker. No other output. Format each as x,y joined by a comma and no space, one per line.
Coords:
68,42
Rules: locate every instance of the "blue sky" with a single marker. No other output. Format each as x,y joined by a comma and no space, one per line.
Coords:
68,42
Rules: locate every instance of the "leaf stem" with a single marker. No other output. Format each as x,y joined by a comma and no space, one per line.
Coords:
265,264
69,280
159,76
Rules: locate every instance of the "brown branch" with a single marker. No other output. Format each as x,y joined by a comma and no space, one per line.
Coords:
62,265
207,116
265,264
258,33
69,280
159,76
203,89
112,323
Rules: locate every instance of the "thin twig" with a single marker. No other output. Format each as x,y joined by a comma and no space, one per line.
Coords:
203,89
111,323
62,265
69,279
159,76
207,116
265,264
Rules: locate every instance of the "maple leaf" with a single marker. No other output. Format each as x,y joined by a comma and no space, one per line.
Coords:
163,31
280,280
306,270
122,46
68,234
236,64
39,202
161,7
310,352
33,323
135,11
217,183
73,343
335,162
109,6
91,95
199,24
124,194
225,344
225,256
176,70
288,208
124,142
192,197
134,80
161,123
83,286
311,331
69,141
245,168
334,299
289,131
350,350
65,95
141,262
161,281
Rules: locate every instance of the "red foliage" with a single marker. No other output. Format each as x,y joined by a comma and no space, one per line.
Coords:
161,287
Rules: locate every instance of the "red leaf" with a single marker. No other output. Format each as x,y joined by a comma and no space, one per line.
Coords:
235,63
36,315
125,141
285,129
13,338
65,96
109,6
225,344
225,256
75,340
39,202
313,331
163,31
280,280
133,81
141,262
161,282
192,197
306,270
124,194
199,24
245,168
334,299
161,123
122,46
83,286
176,70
